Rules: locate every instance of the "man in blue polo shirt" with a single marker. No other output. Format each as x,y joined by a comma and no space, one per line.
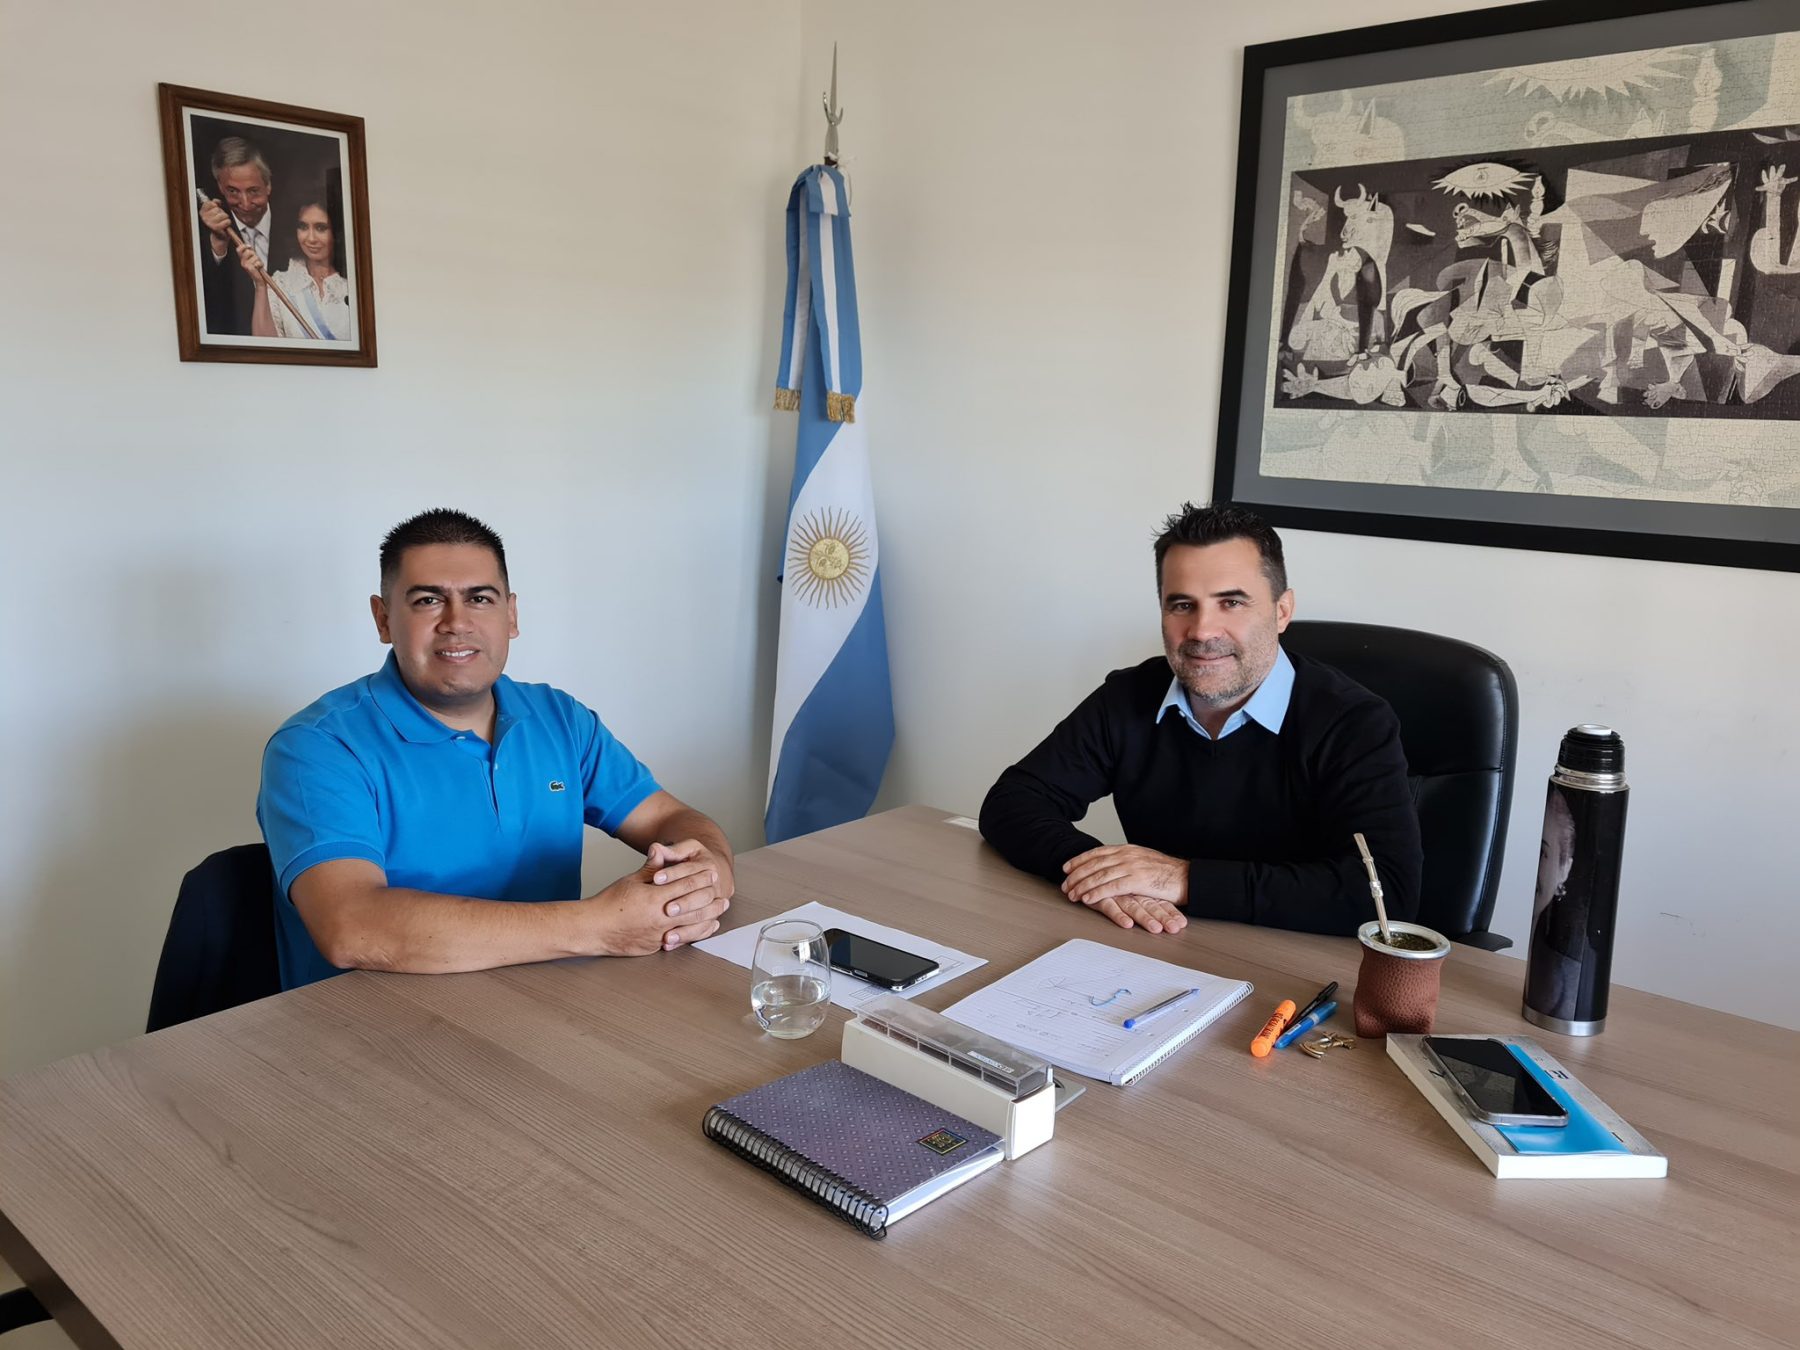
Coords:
410,812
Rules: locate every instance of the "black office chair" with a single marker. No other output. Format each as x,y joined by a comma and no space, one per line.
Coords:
220,948
1459,725
20,1308
219,952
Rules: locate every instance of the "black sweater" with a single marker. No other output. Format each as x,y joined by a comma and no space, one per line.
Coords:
1265,820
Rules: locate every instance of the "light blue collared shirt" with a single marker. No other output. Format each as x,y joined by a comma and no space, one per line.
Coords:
1267,706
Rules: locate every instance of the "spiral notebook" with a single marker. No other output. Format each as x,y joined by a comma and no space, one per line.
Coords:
1070,1006
868,1151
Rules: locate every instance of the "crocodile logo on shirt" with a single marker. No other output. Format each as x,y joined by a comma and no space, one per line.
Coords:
556,785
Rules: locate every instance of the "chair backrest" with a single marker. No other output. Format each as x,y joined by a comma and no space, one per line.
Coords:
220,949
1458,706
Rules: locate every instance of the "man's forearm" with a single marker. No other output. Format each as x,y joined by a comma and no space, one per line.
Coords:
395,928
1020,819
1330,896
1029,814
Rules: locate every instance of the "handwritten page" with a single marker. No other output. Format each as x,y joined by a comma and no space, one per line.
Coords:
1070,1006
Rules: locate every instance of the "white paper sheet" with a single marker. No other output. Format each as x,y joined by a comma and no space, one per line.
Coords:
739,947
1070,1005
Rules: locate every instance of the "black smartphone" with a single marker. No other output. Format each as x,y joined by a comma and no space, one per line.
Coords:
875,961
1493,1085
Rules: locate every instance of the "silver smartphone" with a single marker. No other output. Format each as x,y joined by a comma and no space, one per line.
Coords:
877,962
1493,1084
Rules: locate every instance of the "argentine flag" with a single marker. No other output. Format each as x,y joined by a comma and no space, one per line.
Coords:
834,708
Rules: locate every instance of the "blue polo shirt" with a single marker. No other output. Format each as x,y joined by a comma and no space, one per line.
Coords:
367,772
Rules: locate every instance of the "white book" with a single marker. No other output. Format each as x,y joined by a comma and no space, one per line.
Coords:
1595,1142
1070,1007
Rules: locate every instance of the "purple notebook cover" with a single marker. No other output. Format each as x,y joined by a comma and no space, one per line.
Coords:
879,1138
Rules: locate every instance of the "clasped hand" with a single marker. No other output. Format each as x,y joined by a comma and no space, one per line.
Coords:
213,216
248,260
685,881
1133,886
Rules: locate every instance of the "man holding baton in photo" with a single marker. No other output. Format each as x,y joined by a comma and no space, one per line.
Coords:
245,186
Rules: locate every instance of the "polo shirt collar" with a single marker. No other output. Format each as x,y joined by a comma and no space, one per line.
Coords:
510,707
1267,706
416,724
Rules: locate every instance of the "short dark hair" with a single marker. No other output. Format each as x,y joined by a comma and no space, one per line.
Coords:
439,526
1202,525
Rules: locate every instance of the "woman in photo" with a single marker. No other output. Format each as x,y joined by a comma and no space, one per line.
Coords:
314,280
1553,979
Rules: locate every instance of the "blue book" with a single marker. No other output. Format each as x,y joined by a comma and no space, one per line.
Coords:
1595,1142
870,1152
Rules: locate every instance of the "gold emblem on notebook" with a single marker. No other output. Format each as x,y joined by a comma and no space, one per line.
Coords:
943,1141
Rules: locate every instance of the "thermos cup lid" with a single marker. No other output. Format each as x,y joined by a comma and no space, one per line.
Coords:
1590,748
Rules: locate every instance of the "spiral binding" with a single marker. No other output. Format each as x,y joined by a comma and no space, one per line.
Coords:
850,1203
1186,1036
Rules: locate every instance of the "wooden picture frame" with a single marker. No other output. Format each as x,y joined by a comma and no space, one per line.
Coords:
291,185
1526,277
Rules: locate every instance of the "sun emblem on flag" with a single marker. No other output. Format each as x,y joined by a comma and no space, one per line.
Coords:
828,557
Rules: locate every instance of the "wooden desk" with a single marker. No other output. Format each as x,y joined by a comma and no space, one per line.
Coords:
515,1158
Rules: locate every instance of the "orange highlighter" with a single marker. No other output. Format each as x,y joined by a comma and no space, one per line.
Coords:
1265,1039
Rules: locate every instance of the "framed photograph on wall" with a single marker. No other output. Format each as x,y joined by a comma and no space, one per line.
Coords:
268,230
1527,277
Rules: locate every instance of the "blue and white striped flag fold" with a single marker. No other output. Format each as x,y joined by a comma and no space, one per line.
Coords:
834,712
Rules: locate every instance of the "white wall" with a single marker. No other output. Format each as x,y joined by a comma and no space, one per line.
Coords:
576,217
1043,196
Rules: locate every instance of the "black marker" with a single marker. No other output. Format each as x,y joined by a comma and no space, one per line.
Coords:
1318,1001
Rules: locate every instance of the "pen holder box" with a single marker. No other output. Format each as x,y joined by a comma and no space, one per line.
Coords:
1022,1124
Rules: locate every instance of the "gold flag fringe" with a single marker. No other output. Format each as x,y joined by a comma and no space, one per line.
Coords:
840,407
787,400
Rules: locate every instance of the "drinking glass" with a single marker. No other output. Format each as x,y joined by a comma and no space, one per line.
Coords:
790,978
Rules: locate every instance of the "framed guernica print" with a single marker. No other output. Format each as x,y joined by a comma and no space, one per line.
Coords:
268,230
1525,276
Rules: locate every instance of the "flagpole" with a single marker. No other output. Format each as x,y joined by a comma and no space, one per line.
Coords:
834,113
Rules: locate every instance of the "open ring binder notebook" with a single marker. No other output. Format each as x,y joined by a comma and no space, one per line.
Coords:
866,1150
1071,1004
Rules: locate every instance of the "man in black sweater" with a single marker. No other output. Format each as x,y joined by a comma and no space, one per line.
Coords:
1240,781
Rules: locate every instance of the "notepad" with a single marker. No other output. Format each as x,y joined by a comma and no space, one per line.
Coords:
1070,1006
868,1151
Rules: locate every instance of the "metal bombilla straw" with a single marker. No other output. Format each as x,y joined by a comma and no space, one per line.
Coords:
1362,847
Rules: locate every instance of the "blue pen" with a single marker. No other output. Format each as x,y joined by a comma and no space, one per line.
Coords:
1305,1024
1133,1023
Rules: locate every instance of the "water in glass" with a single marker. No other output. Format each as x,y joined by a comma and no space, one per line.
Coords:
790,979
790,1006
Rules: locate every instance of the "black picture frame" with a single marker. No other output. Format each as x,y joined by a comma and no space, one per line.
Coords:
1485,49
307,160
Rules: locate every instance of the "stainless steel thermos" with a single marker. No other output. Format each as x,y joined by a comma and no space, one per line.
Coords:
1568,970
